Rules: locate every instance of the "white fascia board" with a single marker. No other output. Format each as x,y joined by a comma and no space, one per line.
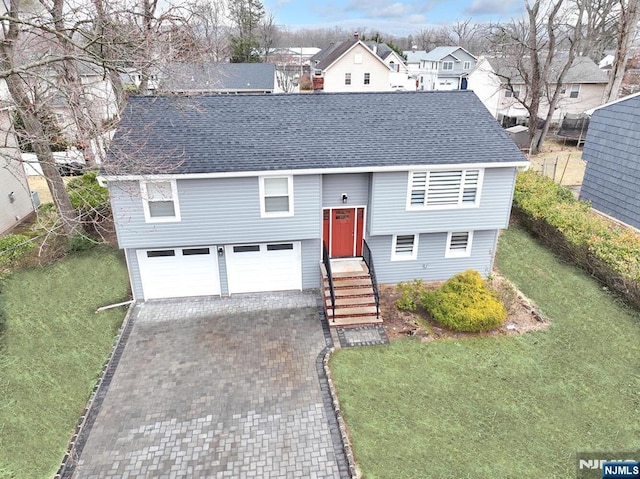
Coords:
316,171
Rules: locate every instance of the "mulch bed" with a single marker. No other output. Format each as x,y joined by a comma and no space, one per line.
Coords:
523,315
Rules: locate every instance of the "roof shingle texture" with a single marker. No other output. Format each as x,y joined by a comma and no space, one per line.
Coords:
583,70
242,133
218,77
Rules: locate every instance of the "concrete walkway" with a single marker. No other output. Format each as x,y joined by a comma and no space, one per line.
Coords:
218,387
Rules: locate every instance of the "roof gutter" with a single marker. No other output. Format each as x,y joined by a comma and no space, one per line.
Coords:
313,171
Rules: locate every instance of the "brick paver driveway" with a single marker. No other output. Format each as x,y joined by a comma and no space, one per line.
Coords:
217,388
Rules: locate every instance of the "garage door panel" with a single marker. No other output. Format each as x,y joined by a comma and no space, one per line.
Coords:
179,272
264,267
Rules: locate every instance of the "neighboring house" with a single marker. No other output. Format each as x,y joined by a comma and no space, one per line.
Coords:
293,56
349,66
15,196
230,78
612,152
99,101
414,61
399,76
218,195
583,88
445,68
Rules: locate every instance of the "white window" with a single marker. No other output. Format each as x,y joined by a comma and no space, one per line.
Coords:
514,92
347,78
160,201
276,196
405,247
459,244
441,189
467,65
447,65
575,91
367,78
357,58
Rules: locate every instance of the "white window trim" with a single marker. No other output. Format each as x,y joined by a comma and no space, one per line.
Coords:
447,62
280,214
573,90
414,252
466,65
456,254
476,204
174,196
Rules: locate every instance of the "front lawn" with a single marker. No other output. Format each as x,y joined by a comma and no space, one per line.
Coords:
52,349
501,407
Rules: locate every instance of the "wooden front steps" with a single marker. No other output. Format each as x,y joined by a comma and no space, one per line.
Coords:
355,301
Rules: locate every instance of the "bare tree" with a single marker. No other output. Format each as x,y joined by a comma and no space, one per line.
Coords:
268,34
208,24
626,30
599,26
12,23
531,49
286,77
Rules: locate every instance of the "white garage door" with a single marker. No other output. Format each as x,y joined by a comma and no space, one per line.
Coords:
264,267
179,272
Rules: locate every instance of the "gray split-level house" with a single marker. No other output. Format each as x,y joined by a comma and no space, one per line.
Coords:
217,195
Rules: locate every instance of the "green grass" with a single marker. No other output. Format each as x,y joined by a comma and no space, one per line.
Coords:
501,407
52,349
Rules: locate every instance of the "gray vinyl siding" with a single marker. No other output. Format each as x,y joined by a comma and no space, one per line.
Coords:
389,215
612,152
311,264
134,274
355,185
217,211
431,264
458,64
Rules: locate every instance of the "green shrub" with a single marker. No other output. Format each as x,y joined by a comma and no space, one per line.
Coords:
539,198
410,295
464,303
13,247
81,242
87,195
91,202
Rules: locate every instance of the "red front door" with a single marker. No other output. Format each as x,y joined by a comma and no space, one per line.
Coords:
343,221
343,231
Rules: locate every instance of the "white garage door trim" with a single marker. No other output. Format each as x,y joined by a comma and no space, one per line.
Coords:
179,272
261,267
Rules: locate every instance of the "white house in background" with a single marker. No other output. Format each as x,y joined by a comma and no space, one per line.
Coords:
15,196
414,59
445,68
583,88
99,101
399,77
349,66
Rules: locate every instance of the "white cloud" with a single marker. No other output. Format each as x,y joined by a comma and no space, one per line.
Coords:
493,7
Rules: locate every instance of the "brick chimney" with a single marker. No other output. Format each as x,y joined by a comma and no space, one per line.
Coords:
356,36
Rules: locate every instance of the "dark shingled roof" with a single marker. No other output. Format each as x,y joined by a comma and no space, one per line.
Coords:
583,70
213,77
241,133
333,54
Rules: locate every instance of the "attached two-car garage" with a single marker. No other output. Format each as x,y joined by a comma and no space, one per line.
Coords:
195,271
